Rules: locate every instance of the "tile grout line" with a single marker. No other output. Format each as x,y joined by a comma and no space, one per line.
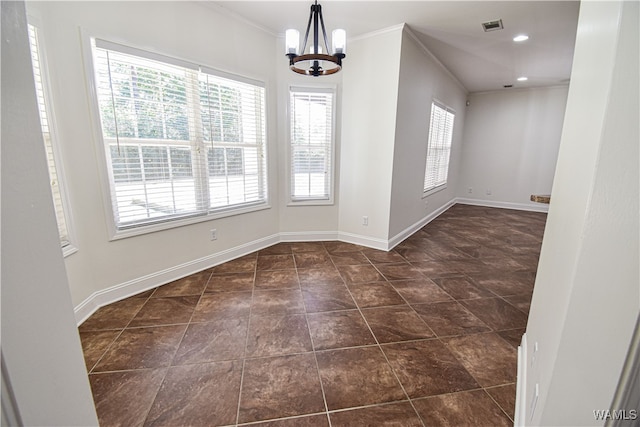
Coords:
89,372
357,306
497,404
246,342
292,417
167,368
104,353
395,375
313,347
413,309
445,346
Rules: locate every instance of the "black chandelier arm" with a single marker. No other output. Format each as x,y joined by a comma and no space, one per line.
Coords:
306,35
324,32
315,8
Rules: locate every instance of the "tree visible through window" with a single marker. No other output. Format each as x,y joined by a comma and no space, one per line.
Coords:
439,147
180,142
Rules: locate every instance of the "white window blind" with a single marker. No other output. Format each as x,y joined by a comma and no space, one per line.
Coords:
43,103
179,142
439,146
311,150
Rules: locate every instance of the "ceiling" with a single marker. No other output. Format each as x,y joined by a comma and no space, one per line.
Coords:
451,30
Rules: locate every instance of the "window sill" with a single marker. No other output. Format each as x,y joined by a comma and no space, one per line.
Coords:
311,202
161,226
434,190
69,250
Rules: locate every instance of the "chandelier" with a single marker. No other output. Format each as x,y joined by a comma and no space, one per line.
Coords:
317,63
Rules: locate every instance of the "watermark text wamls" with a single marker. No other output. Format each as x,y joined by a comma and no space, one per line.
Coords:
615,414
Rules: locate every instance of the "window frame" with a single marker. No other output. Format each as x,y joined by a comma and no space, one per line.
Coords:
312,201
71,245
438,187
105,171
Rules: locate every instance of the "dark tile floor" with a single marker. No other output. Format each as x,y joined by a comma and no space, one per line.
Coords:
329,333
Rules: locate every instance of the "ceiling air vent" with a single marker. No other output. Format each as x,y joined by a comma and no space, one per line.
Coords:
492,25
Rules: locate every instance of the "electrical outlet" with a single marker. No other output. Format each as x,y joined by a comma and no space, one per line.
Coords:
365,220
470,190
488,191
213,234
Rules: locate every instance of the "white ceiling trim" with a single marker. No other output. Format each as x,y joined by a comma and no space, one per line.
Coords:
378,32
518,89
236,16
411,34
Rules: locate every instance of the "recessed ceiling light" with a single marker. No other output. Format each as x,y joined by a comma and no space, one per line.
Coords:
523,79
521,38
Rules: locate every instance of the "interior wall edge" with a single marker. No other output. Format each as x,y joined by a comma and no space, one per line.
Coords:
521,382
407,29
407,232
358,239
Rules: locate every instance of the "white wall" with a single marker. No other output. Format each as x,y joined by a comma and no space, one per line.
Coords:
511,145
304,221
422,79
41,353
369,101
587,298
381,127
186,30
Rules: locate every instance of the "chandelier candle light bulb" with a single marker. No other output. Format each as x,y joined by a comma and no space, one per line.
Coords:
315,58
339,41
292,41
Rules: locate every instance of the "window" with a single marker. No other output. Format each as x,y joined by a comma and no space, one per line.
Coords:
439,147
181,141
311,144
57,187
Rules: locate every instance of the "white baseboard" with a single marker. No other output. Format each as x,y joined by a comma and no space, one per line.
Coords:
534,207
370,242
407,232
315,236
308,236
132,287
521,384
